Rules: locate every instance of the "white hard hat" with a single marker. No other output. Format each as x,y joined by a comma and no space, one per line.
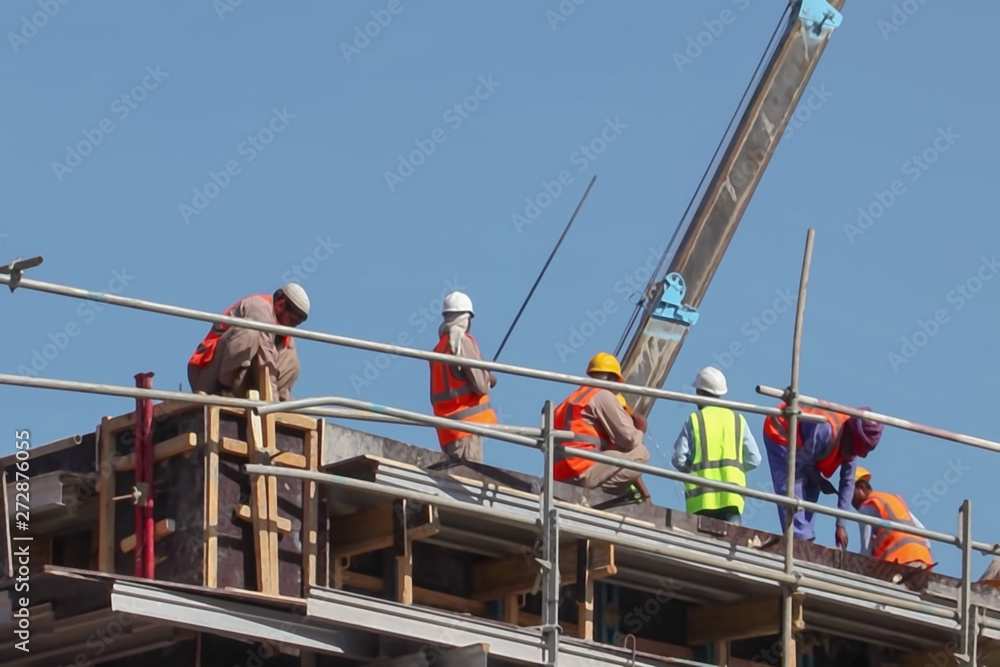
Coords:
296,296
711,380
458,302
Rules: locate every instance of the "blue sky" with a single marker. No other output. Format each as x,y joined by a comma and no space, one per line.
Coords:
178,202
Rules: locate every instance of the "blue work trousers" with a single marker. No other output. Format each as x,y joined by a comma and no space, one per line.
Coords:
806,487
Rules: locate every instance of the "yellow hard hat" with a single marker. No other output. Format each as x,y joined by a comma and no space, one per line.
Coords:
621,399
605,363
861,473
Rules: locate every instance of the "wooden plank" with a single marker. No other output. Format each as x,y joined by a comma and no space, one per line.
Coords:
162,528
160,411
258,485
236,447
939,656
370,530
511,609
106,493
310,508
403,553
283,525
285,419
271,447
746,619
498,578
180,444
211,568
421,596
584,591
338,568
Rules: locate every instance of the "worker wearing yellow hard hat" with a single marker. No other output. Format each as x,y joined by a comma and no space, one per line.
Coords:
886,544
600,421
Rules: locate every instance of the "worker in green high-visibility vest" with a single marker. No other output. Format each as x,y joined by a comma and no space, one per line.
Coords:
715,444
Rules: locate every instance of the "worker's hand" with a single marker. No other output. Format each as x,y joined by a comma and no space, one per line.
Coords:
493,380
841,536
827,487
640,422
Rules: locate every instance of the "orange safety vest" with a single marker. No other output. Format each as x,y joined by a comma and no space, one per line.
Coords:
568,416
776,429
454,397
205,351
892,545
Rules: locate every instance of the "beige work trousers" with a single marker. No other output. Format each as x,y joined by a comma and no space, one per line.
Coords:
469,448
233,357
611,478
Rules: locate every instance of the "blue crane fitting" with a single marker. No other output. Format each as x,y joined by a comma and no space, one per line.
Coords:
671,307
820,17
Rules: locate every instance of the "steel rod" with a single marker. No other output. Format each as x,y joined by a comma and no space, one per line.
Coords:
549,526
775,575
904,424
188,313
966,652
8,536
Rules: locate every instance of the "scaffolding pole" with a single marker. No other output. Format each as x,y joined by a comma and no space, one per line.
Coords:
549,527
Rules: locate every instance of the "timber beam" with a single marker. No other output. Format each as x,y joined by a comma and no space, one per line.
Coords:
746,619
371,529
517,574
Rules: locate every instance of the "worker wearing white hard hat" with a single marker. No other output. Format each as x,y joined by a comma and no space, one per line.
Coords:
223,362
460,392
716,444
886,544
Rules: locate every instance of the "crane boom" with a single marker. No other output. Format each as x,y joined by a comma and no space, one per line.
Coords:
667,317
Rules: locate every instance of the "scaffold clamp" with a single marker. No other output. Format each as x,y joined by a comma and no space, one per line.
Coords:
15,269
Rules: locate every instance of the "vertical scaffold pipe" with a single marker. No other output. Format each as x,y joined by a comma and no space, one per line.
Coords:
550,542
789,650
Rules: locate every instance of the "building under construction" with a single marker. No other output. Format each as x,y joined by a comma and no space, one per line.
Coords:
219,532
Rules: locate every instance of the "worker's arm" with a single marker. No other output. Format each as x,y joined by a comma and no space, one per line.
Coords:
479,378
682,448
751,453
866,530
845,493
613,419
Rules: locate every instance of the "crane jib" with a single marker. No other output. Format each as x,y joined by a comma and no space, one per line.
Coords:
672,310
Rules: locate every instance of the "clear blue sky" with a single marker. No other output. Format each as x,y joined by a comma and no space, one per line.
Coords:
375,257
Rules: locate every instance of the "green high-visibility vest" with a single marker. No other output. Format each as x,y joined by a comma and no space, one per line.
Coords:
718,455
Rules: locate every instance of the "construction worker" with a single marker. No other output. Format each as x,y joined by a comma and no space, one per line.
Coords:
724,451
991,576
822,449
222,362
460,392
600,422
885,544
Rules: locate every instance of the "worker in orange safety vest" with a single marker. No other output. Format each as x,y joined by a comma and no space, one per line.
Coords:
222,361
822,449
600,421
886,544
460,392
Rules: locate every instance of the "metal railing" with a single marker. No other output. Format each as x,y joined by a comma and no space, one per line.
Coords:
550,441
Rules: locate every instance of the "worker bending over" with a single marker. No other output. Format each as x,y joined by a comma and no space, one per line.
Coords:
600,422
822,449
221,365
724,450
886,544
460,392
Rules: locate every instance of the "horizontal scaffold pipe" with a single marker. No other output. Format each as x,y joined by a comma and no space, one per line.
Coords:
277,329
502,516
243,403
904,424
796,503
